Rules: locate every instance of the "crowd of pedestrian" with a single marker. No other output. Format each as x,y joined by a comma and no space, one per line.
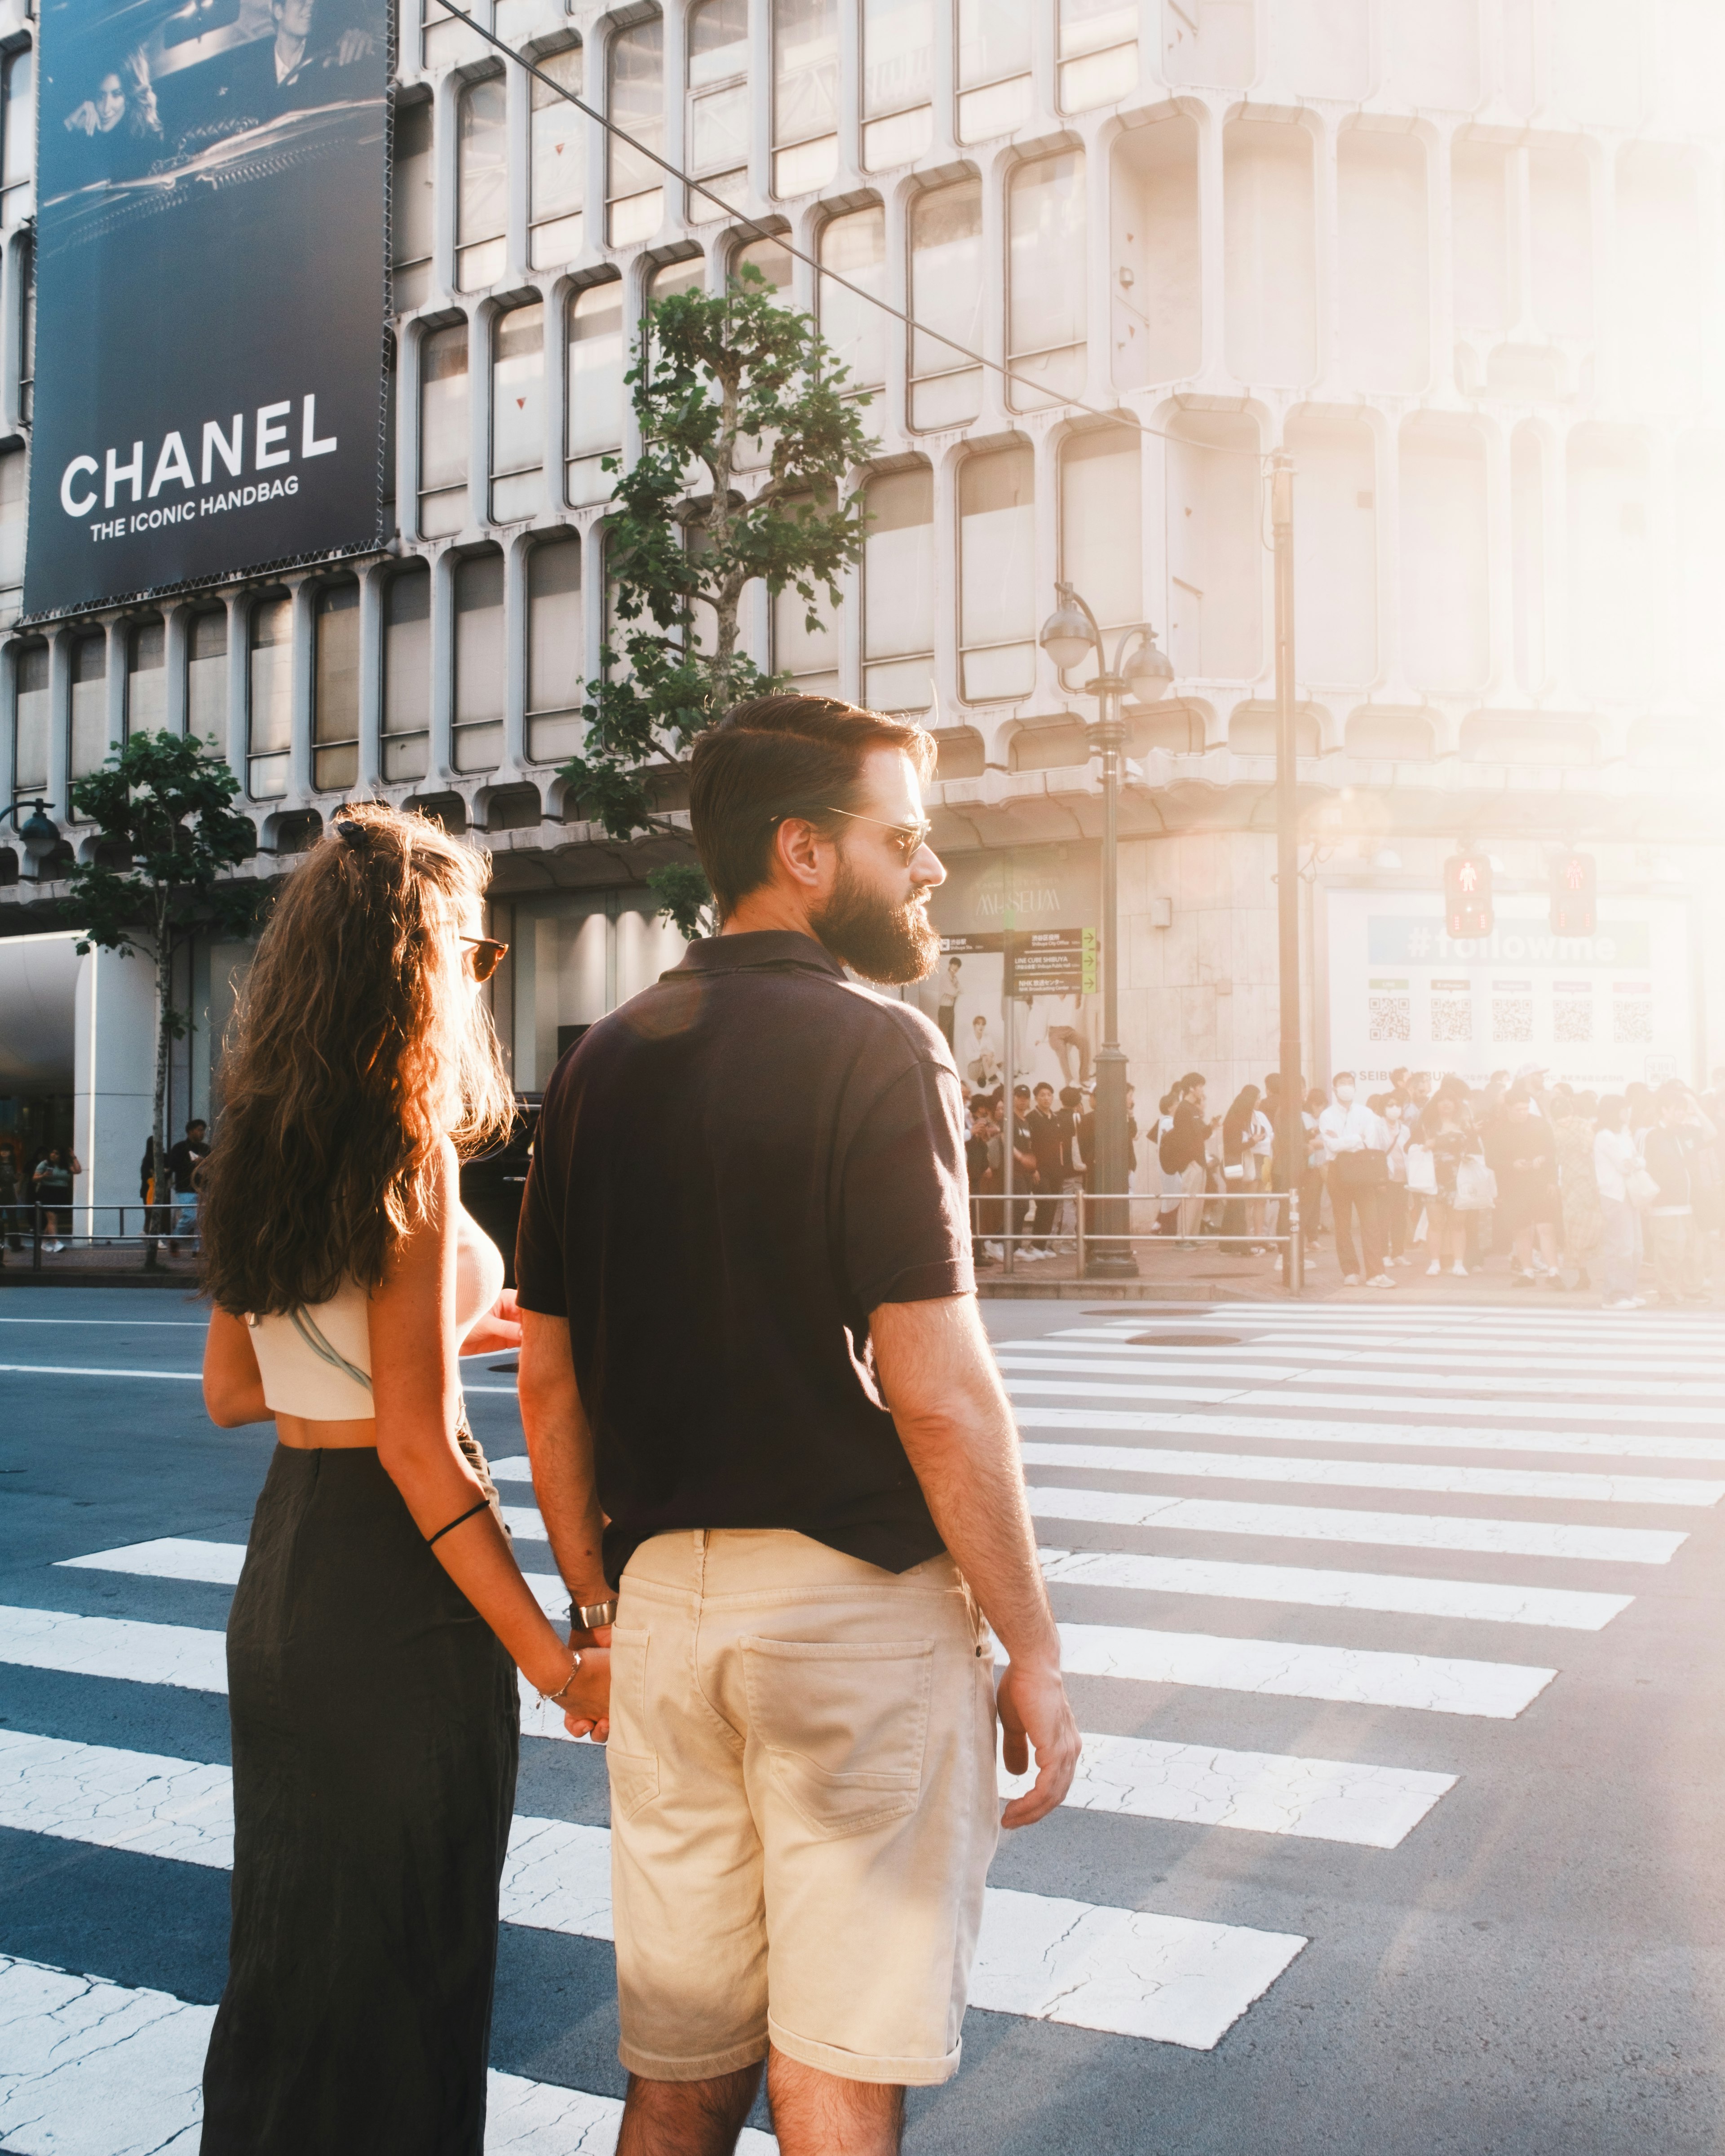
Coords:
1573,1190
36,1197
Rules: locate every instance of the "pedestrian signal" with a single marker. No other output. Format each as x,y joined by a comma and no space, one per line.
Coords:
1467,896
1574,889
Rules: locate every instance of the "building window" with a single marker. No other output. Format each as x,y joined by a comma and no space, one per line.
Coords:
407,673
410,205
26,331
809,655
482,196
1044,340
556,692
1102,528
272,698
558,181
805,95
479,661
688,274
593,424
443,431
1098,52
854,247
206,676
996,596
518,415
718,101
13,495
18,134
89,703
30,681
946,294
335,706
145,676
634,187
897,81
993,67
898,593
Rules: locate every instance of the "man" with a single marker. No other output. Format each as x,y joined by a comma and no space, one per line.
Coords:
1068,1039
183,1163
947,1006
808,1494
1356,1148
1051,1149
1182,1154
983,1069
1023,1169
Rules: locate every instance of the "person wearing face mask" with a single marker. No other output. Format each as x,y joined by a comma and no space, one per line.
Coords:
1389,1109
1356,1144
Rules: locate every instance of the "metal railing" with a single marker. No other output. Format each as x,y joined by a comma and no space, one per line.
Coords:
45,1229
1090,1242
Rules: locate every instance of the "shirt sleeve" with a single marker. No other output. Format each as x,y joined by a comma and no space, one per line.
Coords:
906,1231
539,1284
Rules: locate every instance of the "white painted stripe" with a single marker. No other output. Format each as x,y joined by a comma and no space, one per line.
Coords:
558,1878
170,1324
1484,1407
1258,1792
1382,1475
81,1370
1357,1676
96,2069
1206,1516
1567,1609
219,1564
1599,1445
1124,1971
1395,1351
1151,1368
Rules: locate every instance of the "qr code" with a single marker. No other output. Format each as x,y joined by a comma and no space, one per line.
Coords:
1512,1017
1452,1018
1390,1018
1633,1026
1572,1022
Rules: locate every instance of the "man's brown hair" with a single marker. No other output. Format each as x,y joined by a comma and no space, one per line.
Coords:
777,757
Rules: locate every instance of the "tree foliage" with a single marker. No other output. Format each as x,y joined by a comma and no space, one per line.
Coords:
688,531
169,832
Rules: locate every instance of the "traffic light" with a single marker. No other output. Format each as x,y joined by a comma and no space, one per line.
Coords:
1574,891
1467,896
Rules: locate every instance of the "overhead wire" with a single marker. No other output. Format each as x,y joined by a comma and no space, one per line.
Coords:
1114,415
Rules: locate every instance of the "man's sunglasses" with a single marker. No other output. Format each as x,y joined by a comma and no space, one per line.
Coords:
488,955
909,839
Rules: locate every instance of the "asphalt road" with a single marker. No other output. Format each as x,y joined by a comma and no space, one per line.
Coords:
1397,1630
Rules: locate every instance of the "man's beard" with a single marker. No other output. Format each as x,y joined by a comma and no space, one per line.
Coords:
891,944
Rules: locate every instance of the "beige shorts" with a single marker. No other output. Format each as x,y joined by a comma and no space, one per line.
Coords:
802,1807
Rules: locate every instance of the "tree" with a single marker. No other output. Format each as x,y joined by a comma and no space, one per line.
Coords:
713,374
163,805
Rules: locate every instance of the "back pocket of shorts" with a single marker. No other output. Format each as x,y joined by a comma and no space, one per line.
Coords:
631,1760
844,1724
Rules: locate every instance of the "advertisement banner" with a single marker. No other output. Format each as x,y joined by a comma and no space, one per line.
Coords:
210,291
1598,1010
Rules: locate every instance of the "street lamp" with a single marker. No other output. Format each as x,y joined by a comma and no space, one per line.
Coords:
39,833
1140,670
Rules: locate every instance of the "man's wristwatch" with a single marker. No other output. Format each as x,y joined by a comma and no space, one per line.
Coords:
588,1616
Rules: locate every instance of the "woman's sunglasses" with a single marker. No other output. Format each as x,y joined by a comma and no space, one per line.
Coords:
488,955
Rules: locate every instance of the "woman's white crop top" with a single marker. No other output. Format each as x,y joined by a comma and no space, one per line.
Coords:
316,1363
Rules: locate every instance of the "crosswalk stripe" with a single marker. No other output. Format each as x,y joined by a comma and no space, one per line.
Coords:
1441,1437
1355,1677
1380,1474
1207,1515
1482,1407
99,2069
1567,1608
1393,1351
557,1877
1149,1366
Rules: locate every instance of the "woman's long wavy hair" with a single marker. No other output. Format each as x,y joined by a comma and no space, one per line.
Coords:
357,1045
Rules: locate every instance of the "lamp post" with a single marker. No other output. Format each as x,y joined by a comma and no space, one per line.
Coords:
39,833
1070,636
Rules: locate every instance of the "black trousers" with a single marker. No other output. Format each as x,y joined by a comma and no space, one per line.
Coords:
376,1726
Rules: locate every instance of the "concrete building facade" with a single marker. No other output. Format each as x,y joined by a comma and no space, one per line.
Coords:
1461,258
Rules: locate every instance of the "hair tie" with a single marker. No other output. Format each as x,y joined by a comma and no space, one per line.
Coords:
355,834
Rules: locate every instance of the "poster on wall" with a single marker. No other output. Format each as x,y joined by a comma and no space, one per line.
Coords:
1598,1010
1019,953
210,291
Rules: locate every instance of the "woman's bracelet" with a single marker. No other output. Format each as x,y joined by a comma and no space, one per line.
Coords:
556,1698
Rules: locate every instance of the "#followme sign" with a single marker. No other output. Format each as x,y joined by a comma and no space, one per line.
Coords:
210,292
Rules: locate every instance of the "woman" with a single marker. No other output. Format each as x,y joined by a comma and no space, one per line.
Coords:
1388,1110
1240,1170
1574,1120
380,1616
51,1186
1522,1151
1615,1160
1445,1131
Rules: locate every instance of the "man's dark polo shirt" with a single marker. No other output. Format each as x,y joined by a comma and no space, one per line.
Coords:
1048,1142
731,1171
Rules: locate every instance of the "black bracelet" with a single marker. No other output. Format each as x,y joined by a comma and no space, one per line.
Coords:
482,1506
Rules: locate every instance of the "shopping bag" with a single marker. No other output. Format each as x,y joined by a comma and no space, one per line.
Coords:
1422,1170
1476,1186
